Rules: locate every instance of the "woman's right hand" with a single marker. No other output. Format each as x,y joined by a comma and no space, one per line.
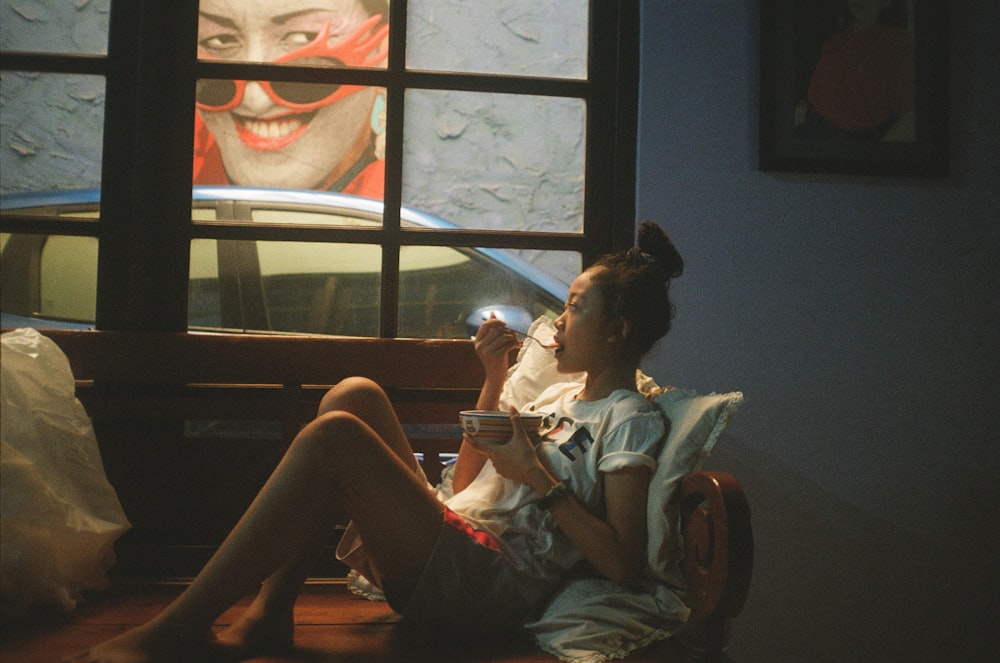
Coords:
494,343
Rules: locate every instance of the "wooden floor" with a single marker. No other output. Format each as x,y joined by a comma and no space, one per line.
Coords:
332,627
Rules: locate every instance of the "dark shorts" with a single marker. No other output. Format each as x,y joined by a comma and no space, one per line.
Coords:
467,584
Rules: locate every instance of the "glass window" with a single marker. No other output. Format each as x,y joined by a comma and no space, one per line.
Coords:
324,33
335,288
479,161
52,130
51,277
306,287
496,161
69,278
335,188
291,136
519,37
329,288
442,289
55,26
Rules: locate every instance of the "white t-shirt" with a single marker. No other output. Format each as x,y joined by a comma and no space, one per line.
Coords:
578,440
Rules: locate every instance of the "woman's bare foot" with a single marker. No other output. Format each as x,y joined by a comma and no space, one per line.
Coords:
142,645
258,631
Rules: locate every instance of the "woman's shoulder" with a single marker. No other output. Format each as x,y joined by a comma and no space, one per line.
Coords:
627,409
633,400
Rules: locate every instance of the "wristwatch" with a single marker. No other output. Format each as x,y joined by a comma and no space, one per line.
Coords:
556,492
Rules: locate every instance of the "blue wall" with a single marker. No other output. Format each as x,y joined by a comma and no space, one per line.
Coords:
861,318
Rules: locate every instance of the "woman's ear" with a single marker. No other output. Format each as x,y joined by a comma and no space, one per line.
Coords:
622,329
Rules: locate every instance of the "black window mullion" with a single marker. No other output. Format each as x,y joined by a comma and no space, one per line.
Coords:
626,87
598,168
146,189
496,83
117,169
609,196
393,195
55,63
264,71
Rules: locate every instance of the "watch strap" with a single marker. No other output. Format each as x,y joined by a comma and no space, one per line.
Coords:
555,493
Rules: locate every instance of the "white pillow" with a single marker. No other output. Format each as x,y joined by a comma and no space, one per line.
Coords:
592,620
695,425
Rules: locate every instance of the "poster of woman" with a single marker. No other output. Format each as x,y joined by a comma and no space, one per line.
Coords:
862,83
289,134
853,86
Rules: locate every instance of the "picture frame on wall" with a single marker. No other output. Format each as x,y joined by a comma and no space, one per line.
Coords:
854,87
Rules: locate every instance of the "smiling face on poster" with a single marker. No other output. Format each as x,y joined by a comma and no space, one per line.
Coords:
290,134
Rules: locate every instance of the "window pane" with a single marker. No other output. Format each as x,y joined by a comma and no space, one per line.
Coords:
50,276
563,266
495,161
52,128
69,278
444,291
55,26
516,37
291,136
204,306
285,286
326,33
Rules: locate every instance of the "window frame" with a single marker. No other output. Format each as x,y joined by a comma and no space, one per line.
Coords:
145,226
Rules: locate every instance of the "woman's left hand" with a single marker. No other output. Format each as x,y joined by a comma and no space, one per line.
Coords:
516,459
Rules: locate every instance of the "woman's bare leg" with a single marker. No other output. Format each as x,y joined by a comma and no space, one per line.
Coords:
400,527
267,624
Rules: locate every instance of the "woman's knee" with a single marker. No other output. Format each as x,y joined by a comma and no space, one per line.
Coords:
354,394
333,432
338,436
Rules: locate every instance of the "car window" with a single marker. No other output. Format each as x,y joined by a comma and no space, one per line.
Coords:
329,288
285,286
441,287
69,282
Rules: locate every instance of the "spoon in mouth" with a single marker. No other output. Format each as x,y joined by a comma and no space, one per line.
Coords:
527,337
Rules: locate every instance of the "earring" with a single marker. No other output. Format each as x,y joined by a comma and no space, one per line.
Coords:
378,126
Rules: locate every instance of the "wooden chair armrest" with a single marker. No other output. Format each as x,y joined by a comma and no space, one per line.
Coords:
718,558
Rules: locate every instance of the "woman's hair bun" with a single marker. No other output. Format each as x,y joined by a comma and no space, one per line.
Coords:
635,284
655,242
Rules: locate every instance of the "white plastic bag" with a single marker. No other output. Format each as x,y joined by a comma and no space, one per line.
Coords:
59,516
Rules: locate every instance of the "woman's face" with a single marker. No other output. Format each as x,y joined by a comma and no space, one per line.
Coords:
262,142
583,329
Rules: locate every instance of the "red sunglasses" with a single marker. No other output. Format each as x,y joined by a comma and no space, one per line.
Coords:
355,51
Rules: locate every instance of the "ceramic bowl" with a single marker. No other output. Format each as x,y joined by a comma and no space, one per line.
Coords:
494,425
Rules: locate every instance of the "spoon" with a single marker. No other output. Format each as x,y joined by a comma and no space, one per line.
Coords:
528,337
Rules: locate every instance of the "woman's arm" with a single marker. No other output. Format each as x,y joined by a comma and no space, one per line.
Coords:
494,343
616,545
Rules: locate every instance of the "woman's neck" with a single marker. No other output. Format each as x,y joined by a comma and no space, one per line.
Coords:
601,384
